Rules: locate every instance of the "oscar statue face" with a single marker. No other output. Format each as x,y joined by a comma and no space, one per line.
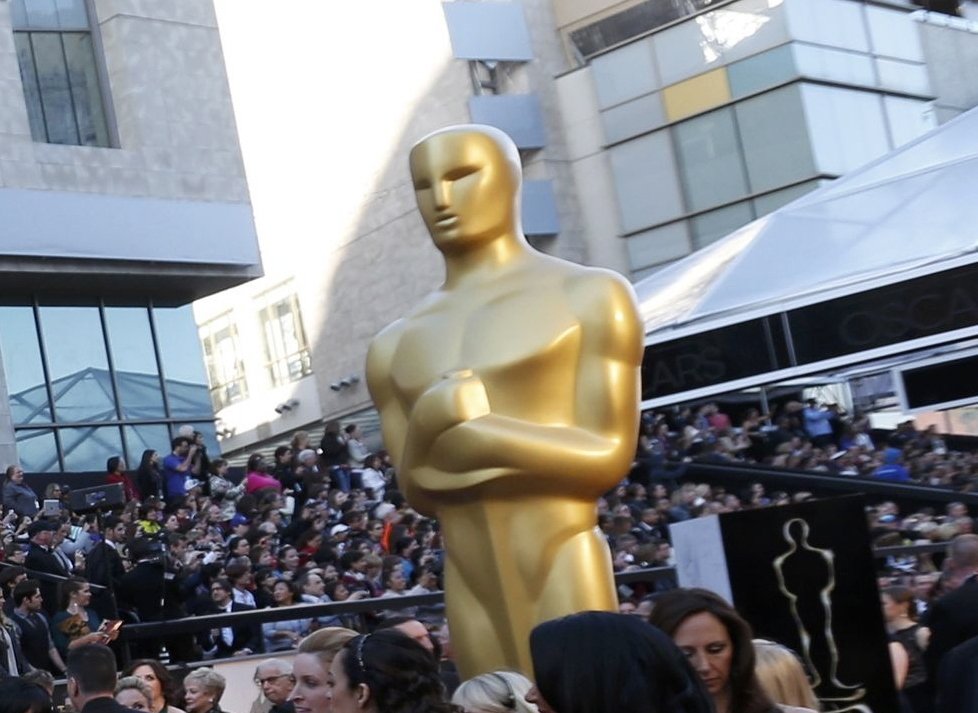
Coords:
466,189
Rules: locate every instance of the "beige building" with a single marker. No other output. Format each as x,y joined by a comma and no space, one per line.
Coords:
124,199
649,128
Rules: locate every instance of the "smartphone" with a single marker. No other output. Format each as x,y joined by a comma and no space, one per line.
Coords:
110,626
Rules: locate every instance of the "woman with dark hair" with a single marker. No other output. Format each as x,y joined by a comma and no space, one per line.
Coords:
284,635
900,613
717,642
18,696
161,684
149,480
619,664
75,623
386,672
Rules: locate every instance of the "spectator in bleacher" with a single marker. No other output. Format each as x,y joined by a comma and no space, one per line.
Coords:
18,495
115,469
818,423
176,469
35,630
40,558
892,468
231,640
284,635
76,623
104,566
356,451
257,477
149,479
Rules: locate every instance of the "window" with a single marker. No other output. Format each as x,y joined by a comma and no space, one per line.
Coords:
225,368
86,382
53,39
286,351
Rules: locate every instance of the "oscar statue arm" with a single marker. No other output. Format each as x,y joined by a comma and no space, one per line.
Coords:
453,431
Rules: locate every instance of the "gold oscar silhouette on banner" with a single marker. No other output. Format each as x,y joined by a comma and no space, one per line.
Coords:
806,578
509,400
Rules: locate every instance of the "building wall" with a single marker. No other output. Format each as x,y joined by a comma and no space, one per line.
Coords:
102,244
709,123
334,204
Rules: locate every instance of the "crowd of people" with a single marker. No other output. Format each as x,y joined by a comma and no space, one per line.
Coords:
806,436
327,523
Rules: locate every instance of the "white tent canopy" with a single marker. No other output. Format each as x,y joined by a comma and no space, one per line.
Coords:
915,209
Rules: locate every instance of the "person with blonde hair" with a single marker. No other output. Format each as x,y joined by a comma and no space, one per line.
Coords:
310,668
782,677
495,692
203,688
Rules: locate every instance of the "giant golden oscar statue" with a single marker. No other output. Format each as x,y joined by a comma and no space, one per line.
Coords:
509,400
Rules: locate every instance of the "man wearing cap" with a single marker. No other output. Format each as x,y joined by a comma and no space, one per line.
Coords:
40,558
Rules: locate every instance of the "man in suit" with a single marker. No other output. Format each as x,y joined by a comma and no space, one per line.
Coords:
105,567
230,640
91,680
40,558
953,618
141,590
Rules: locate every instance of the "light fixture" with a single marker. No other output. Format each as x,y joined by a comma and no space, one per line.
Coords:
345,382
286,406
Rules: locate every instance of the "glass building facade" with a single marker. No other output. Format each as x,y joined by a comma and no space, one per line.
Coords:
88,381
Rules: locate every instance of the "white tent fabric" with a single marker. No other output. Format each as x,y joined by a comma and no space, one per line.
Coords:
914,207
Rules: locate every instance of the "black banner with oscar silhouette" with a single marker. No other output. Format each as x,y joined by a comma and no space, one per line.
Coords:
804,576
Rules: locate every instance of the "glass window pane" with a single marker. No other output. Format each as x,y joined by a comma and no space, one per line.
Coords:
77,363
624,73
183,363
137,374
835,23
657,246
22,366
18,14
846,127
285,342
59,116
72,14
645,181
761,71
772,201
709,160
774,134
85,91
28,78
633,118
89,448
37,451
41,13
151,437
710,227
683,51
